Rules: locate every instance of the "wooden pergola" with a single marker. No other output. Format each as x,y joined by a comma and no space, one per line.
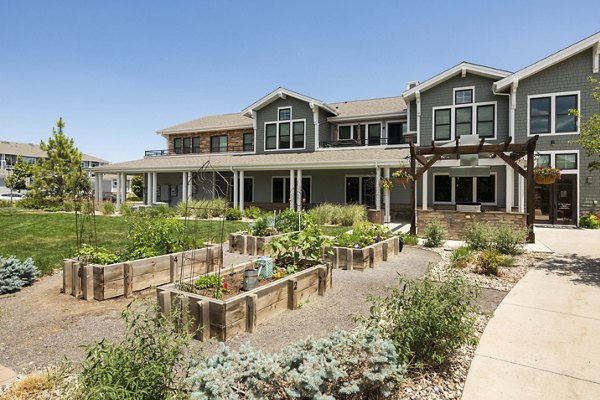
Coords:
509,152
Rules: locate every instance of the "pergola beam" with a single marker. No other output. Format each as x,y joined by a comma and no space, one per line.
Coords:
512,163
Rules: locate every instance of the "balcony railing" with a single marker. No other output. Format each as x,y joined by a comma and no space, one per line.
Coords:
197,150
367,142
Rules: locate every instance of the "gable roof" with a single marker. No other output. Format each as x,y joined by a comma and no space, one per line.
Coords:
282,93
462,68
34,151
210,123
591,41
370,107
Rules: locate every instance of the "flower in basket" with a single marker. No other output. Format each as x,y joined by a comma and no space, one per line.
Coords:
386,184
402,176
543,172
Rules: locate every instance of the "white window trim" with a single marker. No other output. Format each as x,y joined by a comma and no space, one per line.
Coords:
284,108
226,146
360,189
458,89
277,123
473,195
553,97
287,189
387,129
230,181
366,133
553,153
453,108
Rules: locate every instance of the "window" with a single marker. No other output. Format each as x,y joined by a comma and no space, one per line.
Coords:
271,136
196,145
486,189
551,114
345,132
284,114
486,121
539,118
298,135
187,145
442,124
464,190
442,189
360,190
218,144
374,135
543,160
566,122
463,121
114,183
284,135
248,190
395,132
281,190
248,141
177,146
566,161
464,96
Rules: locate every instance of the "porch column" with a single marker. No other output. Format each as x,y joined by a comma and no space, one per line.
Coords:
190,186
292,189
214,184
241,207
521,194
386,198
123,188
299,190
377,188
98,187
119,190
235,189
424,190
149,188
154,188
509,187
145,188
184,186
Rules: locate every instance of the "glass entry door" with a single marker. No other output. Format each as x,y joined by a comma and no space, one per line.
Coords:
361,190
557,204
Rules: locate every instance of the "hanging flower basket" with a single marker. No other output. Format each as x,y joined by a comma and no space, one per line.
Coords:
386,184
402,177
546,175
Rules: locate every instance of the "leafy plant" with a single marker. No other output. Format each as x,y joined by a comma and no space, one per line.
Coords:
490,261
264,226
461,256
299,249
148,363
14,274
97,255
478,236
252,212
126,210
589,221
386,184
290,221
208,281
208,208
107,208
345,365
409,239
402,176
153,236
543,172
435,234
137,186
426,320
363,235
508,239
233,214
337,214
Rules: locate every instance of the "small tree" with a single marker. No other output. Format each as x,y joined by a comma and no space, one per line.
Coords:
60,175
589,136
17,180
137,186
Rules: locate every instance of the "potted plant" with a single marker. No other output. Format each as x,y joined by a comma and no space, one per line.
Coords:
546,175
386,184
402,176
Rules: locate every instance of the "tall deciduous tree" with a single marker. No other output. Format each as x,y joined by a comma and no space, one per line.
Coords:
137,186
60,175
589,136
17,180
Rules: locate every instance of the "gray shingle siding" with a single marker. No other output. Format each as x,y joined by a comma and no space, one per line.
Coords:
567,76
324,126
412,116
442,95
300,110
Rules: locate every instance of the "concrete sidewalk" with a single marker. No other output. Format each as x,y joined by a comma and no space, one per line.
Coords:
7,376
543,341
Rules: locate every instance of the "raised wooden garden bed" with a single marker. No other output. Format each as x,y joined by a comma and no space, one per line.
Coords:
223,319
101,282
251,245
366,257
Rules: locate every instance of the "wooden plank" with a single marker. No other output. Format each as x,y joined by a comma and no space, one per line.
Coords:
87,279
67,276
145,281
251,311
113,272
127,280
273,295
164,301
292,293
308,280
269,312
235,329
203,320
307,295
172,269
150,266
235,310
322,280
371,257
251,245
349,260
76,279
98,283
384,250
217,312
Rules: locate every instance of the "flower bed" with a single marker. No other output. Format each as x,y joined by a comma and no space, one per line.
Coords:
365,257
252,245
101,282
223,319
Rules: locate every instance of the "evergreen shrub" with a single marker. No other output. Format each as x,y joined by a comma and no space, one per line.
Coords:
14,274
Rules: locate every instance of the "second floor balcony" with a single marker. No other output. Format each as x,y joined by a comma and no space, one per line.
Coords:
376,141
247,148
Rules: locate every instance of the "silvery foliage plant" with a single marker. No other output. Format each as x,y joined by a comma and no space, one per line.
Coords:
15,274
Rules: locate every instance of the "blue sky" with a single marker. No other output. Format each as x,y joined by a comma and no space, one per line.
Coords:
117,71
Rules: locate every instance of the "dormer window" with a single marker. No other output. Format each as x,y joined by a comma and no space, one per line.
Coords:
285,113
463,96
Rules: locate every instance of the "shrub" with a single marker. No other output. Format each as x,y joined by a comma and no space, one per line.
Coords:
107,207
14,274
362,235
184,208
126,210
263,226
322,214
5,203
426,320
69,206
478,235
490,261
435,234
409,239
146,364
590,221
461,256
87,207
508,239
133,197
97,255
291,221
209,208
252,212
233,214
337,214
153,236
299,249
344,365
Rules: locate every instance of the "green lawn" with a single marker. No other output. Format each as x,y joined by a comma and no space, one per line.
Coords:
50,237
